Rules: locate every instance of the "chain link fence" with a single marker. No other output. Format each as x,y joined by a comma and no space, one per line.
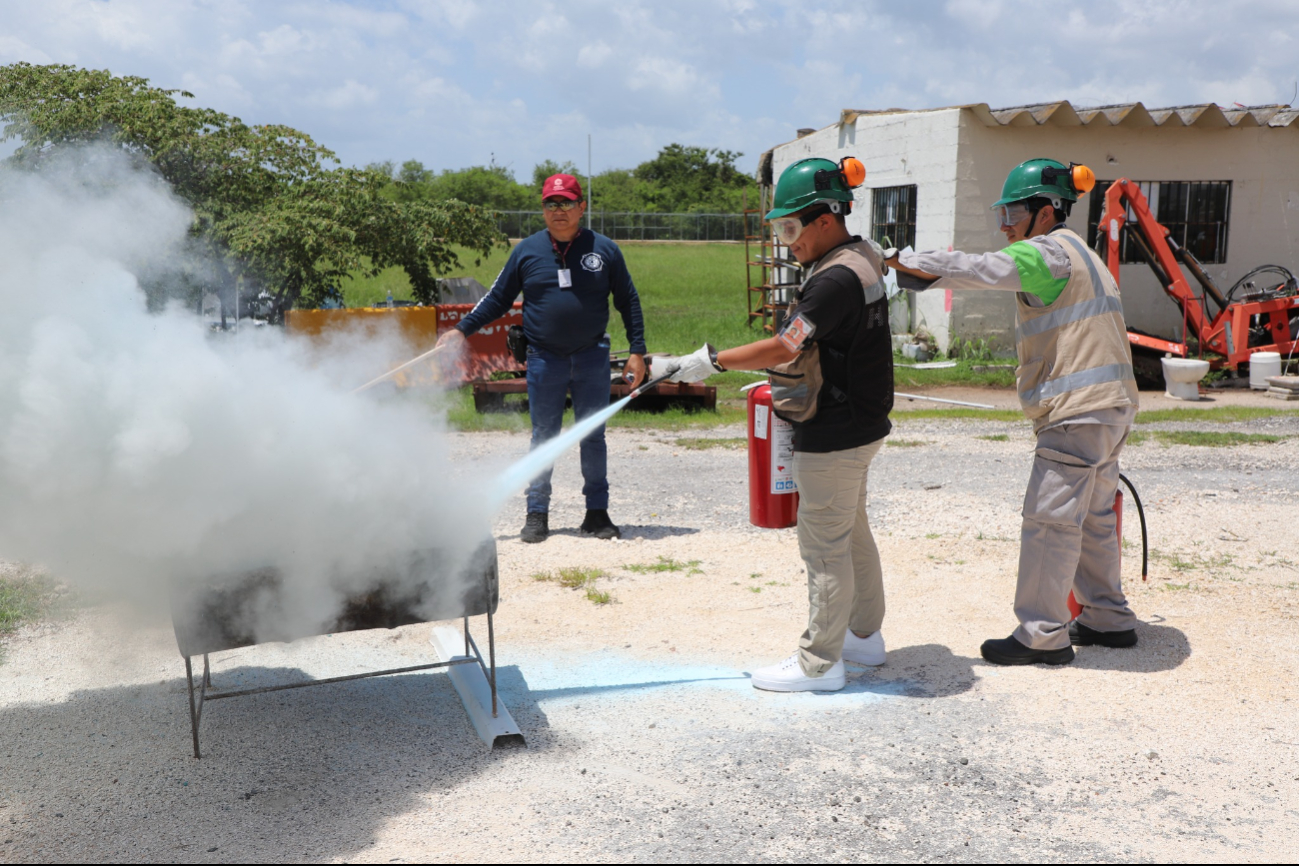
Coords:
637,226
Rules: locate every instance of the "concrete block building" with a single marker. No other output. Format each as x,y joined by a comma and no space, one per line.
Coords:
1224,181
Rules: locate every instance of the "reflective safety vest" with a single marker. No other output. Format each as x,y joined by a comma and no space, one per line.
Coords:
796,385
1074,355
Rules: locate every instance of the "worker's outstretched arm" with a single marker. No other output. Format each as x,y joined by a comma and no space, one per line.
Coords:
491,306
756,356
699,365
1038,266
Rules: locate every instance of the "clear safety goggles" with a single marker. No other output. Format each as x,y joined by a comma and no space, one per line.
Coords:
787,229
1011,214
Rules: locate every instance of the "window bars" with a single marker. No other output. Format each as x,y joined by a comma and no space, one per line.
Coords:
893,216
1196,214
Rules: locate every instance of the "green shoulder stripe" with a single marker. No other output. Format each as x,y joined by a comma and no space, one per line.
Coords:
1034,275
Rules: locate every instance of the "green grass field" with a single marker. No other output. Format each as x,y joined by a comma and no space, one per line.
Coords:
1203,438
1214,415
696,293
689,293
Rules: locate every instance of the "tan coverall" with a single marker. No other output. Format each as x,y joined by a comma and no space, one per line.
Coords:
1076,385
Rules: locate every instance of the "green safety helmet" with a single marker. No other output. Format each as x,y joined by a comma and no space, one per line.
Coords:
814,180
1046,178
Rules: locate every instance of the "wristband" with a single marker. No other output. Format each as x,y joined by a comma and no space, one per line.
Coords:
712,358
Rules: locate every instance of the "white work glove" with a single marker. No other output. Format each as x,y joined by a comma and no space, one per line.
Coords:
695,367
884,254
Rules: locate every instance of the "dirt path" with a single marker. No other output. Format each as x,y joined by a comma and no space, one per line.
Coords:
645,740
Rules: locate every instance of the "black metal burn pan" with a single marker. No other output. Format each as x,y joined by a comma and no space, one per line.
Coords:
251,608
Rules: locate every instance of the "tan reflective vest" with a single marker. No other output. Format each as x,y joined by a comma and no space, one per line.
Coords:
796,385
1074,355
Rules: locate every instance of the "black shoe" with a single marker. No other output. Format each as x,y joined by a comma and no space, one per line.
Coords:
1081,635
1009,651
598,525
537,527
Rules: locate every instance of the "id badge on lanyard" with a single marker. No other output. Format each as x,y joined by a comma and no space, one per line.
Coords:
561,258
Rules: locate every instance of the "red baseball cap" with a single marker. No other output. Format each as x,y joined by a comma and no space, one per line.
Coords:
561,186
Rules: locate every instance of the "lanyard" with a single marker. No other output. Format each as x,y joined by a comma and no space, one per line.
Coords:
563,256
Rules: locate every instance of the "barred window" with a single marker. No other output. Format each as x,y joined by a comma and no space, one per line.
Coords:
1194,212
893,216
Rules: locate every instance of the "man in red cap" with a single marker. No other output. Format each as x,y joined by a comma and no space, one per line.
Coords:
566,274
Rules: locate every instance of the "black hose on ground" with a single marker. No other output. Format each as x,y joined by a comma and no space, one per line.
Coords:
1141,515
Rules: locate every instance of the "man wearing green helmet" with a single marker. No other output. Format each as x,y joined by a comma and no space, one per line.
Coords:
1076,385
833,380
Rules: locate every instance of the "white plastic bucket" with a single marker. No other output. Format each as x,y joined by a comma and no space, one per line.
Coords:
1262,365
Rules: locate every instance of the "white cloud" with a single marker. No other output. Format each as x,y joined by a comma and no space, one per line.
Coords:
12,50
451,82
283,40
670,76
350,95
593,55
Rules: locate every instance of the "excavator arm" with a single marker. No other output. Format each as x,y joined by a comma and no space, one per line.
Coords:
1236,330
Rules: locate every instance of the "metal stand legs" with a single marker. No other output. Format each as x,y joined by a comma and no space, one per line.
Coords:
472,654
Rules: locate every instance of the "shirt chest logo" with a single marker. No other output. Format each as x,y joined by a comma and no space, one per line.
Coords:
592,262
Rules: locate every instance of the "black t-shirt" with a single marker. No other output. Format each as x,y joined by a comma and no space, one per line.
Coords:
856,364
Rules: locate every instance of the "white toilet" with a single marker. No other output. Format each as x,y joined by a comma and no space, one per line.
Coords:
1182,377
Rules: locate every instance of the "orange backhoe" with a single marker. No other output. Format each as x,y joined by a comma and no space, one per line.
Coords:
1259,313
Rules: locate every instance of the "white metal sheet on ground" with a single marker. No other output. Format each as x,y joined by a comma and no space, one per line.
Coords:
475,692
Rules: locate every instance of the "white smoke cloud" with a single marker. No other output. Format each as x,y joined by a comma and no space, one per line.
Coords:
139,449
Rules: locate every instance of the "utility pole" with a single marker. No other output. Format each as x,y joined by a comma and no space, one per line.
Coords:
590,184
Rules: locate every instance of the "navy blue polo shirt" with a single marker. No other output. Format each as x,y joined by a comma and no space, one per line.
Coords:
563,320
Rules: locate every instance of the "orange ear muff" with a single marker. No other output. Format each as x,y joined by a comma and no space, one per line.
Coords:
1083,178
854,173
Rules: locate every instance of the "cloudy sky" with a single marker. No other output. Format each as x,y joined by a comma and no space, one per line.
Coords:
455,83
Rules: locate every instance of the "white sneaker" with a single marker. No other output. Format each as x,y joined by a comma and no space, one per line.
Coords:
788,676
867,651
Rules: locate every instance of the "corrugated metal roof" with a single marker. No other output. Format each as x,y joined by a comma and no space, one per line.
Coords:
1063,113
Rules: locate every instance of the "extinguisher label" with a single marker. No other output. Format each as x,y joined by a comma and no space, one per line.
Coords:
782,456
760,422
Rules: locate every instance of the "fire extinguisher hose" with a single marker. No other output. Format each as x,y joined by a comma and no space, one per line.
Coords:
1141,515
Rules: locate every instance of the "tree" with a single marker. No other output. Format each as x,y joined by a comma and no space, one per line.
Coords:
488,186
546,168
618,191
679,179
413,171
269,211
694,179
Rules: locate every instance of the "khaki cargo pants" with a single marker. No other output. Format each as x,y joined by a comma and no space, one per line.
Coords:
845,585
1068,538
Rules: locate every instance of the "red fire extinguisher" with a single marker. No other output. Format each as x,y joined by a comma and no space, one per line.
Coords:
773,496
1074,607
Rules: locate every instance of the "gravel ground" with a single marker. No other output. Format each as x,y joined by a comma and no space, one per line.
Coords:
645,740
